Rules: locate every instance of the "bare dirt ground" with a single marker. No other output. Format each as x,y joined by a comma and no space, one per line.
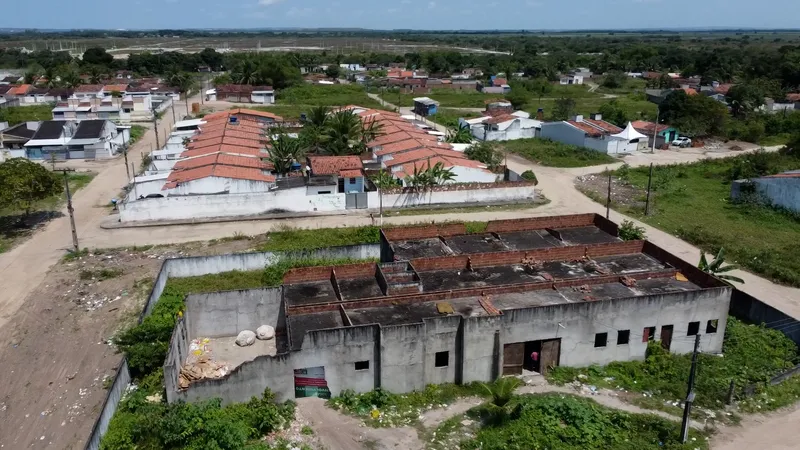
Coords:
55,353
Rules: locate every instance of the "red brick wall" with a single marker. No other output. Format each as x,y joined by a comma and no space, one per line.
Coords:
691,272
540,223
475,292
360,270
465,186
305,274
424,231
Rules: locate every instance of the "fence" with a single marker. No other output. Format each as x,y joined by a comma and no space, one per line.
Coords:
205,265
750,390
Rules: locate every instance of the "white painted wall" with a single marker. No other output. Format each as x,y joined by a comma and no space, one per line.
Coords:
315,190
227,205
504,194
219,185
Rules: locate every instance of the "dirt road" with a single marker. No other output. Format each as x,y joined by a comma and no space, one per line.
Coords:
777,431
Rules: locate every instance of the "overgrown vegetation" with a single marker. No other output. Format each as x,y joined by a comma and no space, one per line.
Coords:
752,354
556,154
33,113
326,95
380,408
757,237
629,231
566,422
137,131
290,239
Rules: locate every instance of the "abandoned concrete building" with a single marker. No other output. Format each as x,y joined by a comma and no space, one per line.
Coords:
447,306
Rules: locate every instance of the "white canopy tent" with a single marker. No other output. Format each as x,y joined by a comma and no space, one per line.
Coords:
633,139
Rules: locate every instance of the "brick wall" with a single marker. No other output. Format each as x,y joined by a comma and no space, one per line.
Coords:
423,231
415,297
606,225
690,271
465,186
305,274
360,270
540,223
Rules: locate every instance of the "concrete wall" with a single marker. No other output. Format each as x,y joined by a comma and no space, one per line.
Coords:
176,355
114,395
226,205
750,309
779,191
227,313
402,357
435,197
564,133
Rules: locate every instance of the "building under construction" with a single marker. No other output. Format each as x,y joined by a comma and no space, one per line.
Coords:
447,306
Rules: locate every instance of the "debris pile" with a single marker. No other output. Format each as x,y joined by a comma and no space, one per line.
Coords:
200,364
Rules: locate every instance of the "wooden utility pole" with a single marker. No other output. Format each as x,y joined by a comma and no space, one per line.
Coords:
155,128
649,183
687,407
608,198
71,210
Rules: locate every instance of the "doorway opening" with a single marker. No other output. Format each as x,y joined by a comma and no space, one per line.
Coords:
310,382
532,356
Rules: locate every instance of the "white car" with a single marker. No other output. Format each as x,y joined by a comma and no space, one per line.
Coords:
682,142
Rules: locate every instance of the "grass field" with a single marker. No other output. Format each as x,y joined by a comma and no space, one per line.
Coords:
449,116
17,114
586,106
320,95
631,85
692,201
555,154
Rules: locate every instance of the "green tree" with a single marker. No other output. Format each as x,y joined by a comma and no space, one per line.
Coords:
485,152
694,115
540,87
459,135
384,180
342,132
564,108
71,79
222,79
97,56
614,113
333,71
717,268
212,58
185,82
24,182
614,80
283,152
96,74
518,97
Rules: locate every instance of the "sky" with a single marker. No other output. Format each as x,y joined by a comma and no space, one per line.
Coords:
405,14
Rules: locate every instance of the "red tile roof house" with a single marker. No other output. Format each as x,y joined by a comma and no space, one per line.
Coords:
244,93
594,133
90,91
218,177
335,174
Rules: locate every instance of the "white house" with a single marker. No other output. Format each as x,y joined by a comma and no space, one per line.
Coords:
88,91
571,79
593,133
505,127
87,139
264,95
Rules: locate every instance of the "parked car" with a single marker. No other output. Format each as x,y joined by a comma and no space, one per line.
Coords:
682,142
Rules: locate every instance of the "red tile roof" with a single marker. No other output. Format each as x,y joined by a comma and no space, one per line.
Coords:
413,155
647,127
689,91
240,173
226,149
243,134
723,88
243,112
22,89
499,81
332,165
116,87
225,159
351,173
586,128
793,97
501,118
232,141
387,139
89,88
401,146
603,125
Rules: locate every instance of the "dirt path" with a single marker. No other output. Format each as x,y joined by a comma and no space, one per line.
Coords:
340,432
776,431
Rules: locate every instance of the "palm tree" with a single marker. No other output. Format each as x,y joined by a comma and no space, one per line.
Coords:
342,131
460,135
95,74
318,116
384,180
370,130
283,152
185,82
71,79
441,175
246,72
716,267
502,390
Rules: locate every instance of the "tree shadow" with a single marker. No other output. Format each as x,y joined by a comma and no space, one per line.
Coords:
14,226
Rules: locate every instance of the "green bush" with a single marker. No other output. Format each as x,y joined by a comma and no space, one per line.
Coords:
556,154
289,239
566,422
629,231
528,175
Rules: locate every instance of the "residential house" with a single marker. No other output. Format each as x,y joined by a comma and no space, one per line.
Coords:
19,92
14,138
253,115
74,109
664,134
188,125
264,95
593,133
115,90
496,81
97,139
4,91
89,91
50,138
58,94
220,178
11,79
425,106
35,95
772,107
244,93
465,170
111,109
335,174
571,79
507,127
582,72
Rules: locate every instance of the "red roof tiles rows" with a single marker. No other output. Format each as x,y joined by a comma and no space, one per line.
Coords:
333,165
222,171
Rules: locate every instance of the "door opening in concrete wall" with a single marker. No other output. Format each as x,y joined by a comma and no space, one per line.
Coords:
666,336
310,382
533,356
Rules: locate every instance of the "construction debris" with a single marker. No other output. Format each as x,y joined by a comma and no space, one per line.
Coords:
627,281
532,263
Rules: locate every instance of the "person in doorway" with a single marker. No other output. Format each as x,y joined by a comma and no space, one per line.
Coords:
535,356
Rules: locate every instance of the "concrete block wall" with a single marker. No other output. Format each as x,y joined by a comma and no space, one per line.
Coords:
442,335
424,231
178,351
221,314
402,356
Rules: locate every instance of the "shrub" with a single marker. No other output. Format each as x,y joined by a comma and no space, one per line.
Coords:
629,231
528,175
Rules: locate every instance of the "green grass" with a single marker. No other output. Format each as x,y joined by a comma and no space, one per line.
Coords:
288,112
137,131
555,154
292,239
18,114
752,354
380,408
566,422
692,201
778,139
449,116
319,95
585,106
631,85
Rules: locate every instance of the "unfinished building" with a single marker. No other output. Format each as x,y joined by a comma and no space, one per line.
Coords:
445,306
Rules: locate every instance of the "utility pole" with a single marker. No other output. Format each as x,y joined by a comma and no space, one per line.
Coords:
172,105
649,182
134,182
655,129
380,202
608,198
687,407
155,127
71,210
127,172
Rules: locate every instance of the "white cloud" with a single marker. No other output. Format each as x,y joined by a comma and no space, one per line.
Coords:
299,12
268,2
431,5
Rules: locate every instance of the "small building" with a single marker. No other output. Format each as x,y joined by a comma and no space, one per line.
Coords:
244,93
781,190
594,133
188,125
50,138
571,79
14,138
88,91
425,106
335,174
264,95
507,127
87,139
664,133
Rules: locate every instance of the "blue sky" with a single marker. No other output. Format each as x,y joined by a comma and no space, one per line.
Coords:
415,14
